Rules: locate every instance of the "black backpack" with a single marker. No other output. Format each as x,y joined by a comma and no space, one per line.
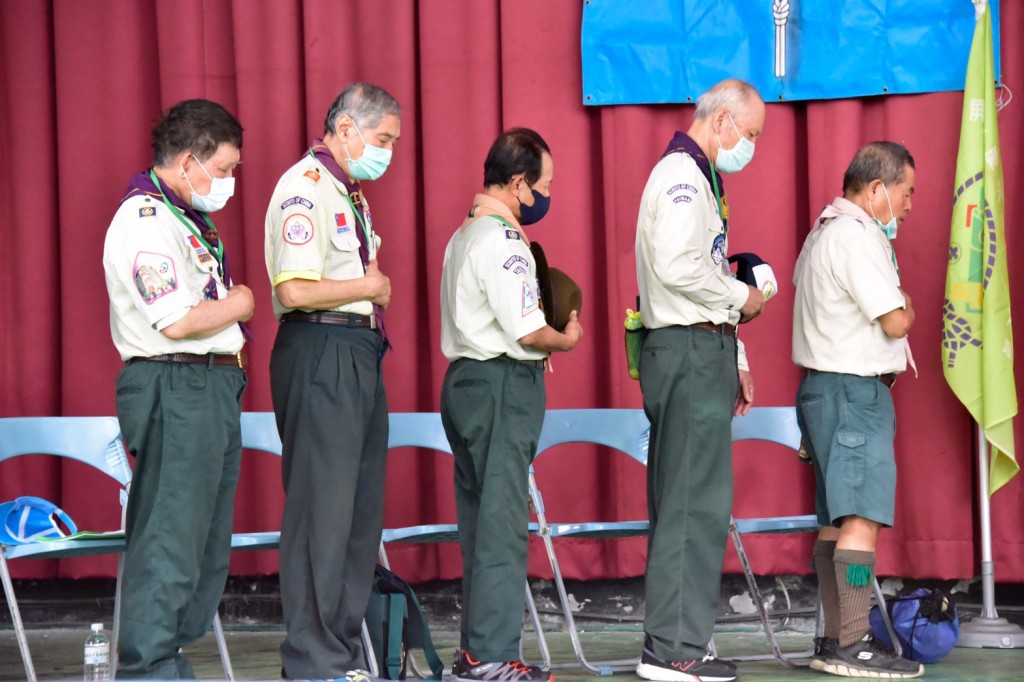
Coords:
397,624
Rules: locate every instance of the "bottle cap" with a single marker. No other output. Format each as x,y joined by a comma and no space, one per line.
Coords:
97,627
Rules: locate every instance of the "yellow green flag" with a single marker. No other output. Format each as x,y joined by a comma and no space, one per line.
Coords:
977,340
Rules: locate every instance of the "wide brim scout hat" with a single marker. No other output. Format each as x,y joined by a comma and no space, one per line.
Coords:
28,519
559,294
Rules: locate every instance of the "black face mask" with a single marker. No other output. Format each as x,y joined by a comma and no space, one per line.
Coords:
531,214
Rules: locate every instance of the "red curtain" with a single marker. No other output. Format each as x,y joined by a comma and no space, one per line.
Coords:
84,82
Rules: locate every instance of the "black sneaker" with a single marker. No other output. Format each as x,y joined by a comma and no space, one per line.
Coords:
707,669
465,669
868,658
823,649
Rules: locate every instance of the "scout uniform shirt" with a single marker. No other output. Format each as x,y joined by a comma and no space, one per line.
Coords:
156,271
311,232
489,292
681,250
845,278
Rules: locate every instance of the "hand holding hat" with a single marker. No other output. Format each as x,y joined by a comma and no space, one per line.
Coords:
753,271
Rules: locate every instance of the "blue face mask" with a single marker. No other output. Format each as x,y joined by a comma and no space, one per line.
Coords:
889,228
528,215
733,160
372,164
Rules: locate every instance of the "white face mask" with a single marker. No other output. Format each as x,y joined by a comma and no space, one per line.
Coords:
221,189
732,160
889,228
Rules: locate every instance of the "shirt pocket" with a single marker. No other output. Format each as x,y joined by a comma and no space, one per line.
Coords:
343,260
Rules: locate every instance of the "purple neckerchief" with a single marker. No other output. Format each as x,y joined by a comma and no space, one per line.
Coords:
324,156
682,142
143,184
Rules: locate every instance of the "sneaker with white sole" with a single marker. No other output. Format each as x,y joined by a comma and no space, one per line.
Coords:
823,648
869,658
466,669
706,669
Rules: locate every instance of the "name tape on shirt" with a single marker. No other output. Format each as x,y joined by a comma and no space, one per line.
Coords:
155,275
297,229
297,200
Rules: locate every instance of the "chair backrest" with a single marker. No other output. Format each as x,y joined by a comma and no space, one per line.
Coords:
259,432
773,424
627,431
417,429
95,441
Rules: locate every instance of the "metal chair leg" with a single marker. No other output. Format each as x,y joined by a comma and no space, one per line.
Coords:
598,667
542,642
222,647
19,628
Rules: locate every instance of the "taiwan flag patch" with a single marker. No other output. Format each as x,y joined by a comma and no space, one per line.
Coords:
342,223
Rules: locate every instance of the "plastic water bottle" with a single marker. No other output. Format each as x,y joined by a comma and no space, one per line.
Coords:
97,654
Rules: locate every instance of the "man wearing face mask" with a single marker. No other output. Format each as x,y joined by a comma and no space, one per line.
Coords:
694,377
326,380
175,319
492,401
850,323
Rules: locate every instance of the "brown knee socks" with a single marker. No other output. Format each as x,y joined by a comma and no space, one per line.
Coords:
854,573
827,588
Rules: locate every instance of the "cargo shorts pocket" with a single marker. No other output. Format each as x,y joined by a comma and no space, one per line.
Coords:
849,456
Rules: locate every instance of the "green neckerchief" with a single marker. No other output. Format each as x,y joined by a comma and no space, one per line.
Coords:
219,251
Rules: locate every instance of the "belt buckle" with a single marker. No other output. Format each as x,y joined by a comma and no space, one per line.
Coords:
240,358
373,321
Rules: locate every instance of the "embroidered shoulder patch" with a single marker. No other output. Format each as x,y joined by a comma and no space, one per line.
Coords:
682,186
298,229
530,299
155,275
312,176
512,234
303,201
518,265
718,249
341,223
682,198
147,212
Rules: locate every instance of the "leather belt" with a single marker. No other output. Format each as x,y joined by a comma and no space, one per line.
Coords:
724,328
331,317
536,364
889,378
239,359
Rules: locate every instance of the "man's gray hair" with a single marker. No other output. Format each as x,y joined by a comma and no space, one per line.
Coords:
731,94
365,103
885,161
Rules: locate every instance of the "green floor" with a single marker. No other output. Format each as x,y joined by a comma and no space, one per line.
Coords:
58,656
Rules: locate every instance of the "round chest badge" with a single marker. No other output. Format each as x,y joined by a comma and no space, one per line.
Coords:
298,229
718,249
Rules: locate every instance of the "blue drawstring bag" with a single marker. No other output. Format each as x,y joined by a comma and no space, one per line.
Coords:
28,519
925,621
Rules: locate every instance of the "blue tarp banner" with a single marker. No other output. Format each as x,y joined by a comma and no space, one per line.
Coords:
651,51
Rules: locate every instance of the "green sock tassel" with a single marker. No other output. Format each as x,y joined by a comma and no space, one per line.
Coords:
858,575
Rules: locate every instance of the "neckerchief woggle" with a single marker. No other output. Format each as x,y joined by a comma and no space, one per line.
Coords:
682,142
319,151
147,182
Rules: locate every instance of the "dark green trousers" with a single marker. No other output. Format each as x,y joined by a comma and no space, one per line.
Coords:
689,381
182,424
332,414
492,413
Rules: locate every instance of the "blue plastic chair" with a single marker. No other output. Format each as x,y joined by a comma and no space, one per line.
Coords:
95,441
774,425
425,430
625,431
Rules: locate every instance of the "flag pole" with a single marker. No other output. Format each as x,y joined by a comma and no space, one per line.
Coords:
987,631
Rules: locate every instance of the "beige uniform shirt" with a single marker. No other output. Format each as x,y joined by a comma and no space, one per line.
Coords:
311,232
846,278
489,292
681,252
156,271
